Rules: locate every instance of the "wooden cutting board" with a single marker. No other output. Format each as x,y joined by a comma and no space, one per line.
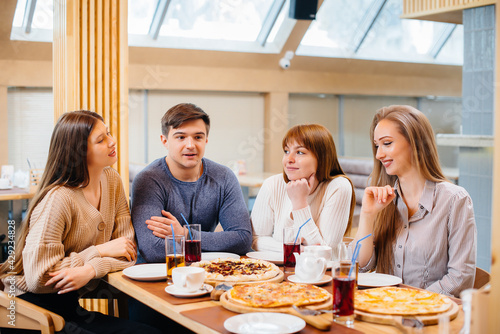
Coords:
431,319
276,279
322,322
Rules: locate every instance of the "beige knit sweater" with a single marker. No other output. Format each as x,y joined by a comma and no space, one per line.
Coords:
64,229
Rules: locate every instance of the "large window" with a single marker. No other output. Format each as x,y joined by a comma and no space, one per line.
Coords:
360,29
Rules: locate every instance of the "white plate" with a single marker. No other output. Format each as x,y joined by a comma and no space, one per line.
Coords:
6,188
218,255
147,272
264,323
324,280
206,288
274,257
377,280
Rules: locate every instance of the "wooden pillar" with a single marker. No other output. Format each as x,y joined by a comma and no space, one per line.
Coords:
90,53
275,128
494,306
4,127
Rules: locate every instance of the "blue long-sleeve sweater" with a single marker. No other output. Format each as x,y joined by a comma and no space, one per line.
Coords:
215,197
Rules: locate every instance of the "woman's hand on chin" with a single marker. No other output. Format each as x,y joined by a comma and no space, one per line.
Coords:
298,190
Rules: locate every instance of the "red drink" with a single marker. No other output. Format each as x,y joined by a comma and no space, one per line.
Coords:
289,258
193,251
343,296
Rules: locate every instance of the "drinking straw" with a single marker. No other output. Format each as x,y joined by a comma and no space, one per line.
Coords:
298,232
355,253
173,237
353,259
189,228
295,242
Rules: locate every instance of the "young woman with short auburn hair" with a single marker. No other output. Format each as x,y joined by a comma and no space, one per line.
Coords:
312,186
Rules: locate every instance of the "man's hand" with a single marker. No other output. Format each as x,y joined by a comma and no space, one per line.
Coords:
161,225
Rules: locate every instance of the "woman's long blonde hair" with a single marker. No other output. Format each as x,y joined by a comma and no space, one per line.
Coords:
66,166
417,130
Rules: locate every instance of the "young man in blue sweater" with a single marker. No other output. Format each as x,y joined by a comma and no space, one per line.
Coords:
184,182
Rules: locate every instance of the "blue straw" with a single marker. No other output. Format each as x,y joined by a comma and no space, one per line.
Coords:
353,262
354,255
299,231
189,228
173,237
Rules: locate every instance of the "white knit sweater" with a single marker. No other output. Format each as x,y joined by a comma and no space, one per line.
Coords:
64,229
329,208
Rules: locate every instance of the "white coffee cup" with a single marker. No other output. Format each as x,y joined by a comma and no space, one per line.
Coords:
188,279
323,251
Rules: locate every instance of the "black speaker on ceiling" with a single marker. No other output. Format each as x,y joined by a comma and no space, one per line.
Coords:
303,9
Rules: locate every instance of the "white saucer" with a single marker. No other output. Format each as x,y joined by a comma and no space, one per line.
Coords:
375,280
326,279
147,272
269,323
172,290
274,257
209,256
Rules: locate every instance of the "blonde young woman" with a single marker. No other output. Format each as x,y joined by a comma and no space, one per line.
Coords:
77,228
423,227
312,186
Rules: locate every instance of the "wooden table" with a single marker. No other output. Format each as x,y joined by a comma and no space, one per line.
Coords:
153,295
252,180
157,301
13,195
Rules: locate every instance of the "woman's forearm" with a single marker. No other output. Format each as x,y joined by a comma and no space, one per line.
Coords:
366,222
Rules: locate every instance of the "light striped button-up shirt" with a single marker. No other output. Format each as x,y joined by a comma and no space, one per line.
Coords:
436,248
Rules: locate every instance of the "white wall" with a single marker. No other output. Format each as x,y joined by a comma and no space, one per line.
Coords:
136,119
445,115
31,120
315,109
237,120
358,116
237,123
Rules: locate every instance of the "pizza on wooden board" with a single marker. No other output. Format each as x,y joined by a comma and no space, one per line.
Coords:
401,301
277,294
238,270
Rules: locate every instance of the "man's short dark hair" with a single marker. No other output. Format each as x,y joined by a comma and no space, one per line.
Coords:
180,114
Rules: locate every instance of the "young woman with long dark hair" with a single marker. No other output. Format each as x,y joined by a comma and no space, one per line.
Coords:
77,227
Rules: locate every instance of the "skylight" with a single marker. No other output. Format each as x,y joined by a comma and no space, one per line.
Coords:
225,25
361,29
372,29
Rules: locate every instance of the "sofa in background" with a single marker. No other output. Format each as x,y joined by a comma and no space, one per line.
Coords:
134,169
358,170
